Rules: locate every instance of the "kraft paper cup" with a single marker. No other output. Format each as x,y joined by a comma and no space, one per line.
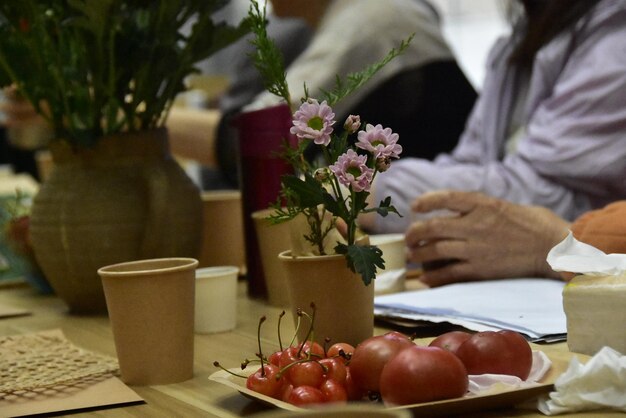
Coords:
151,308
223,237
393,278
216,299
273,239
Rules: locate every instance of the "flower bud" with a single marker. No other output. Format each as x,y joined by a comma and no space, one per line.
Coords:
383,164
321,174
352,124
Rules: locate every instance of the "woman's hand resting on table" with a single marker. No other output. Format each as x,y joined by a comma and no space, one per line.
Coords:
490,238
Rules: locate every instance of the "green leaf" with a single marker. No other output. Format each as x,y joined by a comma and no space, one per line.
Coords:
308,193
385,207
363,260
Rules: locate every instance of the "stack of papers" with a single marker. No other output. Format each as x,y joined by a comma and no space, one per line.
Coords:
533,307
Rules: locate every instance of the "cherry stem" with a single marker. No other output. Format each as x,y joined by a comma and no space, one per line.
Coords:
344,355
280,341
217,364
326,342
312,320
259,341
298,322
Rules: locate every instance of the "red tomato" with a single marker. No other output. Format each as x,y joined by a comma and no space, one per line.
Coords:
355,393
422,374
450,341
370,357
501,352
397,335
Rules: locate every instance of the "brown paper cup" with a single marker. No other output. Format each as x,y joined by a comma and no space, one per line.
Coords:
273,239
223,238
151,308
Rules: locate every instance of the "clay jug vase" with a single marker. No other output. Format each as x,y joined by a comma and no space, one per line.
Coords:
124,199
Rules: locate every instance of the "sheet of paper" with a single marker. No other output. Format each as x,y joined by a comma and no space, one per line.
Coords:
7,311
108,392
531,306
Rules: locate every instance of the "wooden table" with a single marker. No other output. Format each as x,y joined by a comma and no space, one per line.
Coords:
197,397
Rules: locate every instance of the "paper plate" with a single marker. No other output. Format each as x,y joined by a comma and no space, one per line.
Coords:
498,396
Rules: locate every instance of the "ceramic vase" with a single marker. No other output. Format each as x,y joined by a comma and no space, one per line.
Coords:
344,306
124,199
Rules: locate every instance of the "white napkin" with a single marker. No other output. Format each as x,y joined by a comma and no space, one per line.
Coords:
574,256
389,281
598,384
482,384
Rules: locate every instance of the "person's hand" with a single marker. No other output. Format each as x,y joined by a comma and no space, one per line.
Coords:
17,111
488,238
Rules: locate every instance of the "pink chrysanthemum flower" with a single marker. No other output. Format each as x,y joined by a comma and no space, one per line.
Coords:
351,170
314,121
380,142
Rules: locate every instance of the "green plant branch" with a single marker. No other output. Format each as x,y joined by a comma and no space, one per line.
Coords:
355,80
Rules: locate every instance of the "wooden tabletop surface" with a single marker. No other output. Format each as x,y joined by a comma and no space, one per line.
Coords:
197,397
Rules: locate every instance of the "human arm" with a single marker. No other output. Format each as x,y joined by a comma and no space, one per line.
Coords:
571,156
192,134
343,44
491,238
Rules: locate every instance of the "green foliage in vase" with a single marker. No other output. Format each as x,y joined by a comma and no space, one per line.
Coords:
338,185
98,67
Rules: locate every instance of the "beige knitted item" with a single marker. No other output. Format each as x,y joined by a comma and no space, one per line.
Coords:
46,361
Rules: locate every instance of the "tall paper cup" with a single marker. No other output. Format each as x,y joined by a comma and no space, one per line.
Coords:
222,240
273,239
216,299
151,307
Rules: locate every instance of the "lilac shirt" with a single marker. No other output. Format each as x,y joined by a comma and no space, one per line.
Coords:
571,156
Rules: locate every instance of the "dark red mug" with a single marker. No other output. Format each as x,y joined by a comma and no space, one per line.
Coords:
262,135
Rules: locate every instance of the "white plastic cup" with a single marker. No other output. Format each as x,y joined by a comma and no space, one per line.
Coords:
391,279
216,299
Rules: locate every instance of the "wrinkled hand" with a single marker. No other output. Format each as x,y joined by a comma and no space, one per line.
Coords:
490,238
18,112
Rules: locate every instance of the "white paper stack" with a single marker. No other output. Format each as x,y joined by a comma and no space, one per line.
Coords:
531,306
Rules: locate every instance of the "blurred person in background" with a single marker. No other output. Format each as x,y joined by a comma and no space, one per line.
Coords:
422,94
549,127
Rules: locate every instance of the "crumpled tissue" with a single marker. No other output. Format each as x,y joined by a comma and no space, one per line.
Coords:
571,255
594,302
598,384
484,384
